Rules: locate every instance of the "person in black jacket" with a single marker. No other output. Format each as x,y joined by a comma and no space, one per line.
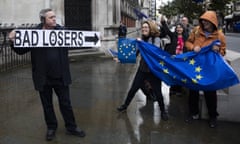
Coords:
50,71
188,27
176,46
122,30
150,34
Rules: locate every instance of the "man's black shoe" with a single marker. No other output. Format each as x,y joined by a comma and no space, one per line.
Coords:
213,122
50,135
122,108
77,132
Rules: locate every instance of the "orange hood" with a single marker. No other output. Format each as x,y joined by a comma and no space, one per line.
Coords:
210,16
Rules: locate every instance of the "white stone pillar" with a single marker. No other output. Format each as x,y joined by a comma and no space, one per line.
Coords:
109,12
118,11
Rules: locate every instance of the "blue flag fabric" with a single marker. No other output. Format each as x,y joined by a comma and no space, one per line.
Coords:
127,50
206,70
113,53
139,14
198,1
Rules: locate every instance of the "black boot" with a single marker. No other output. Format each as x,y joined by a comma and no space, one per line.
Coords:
213,122
164,115
122,108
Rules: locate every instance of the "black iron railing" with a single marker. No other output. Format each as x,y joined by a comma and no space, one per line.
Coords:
8,58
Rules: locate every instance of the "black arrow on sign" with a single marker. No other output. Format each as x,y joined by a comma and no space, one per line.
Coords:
94,38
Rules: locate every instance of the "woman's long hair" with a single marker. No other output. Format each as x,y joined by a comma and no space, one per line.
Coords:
154,31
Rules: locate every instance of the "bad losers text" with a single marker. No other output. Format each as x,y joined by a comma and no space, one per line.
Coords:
49,38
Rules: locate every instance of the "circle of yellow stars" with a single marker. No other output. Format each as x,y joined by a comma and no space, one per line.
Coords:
127,49
197,70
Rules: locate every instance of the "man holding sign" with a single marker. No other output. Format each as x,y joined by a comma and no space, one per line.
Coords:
50,71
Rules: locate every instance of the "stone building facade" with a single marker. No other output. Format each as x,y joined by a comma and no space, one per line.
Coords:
93,15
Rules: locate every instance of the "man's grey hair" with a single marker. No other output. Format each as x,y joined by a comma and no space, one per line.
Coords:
42,14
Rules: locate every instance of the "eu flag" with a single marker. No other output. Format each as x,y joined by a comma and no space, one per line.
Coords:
127,50
139,14
206,70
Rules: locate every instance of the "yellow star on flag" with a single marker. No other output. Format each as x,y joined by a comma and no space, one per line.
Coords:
199,77
165,71
185,58
184,80
192,62
194,81
198,69
162,63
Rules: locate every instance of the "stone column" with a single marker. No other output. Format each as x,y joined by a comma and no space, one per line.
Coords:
118,11
109,12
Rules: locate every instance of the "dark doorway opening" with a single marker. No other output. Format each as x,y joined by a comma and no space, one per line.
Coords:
78,14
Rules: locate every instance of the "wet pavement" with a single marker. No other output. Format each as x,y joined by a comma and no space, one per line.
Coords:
99,86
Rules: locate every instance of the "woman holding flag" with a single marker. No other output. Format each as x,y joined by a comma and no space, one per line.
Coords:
150,33
201,36
176,46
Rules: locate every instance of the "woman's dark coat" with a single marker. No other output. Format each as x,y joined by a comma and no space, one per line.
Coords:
171,47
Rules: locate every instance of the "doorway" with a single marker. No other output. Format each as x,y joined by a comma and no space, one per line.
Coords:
78,14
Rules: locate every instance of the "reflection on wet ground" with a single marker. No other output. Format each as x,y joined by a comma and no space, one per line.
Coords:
99,86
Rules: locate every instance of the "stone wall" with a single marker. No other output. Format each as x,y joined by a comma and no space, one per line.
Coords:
19,12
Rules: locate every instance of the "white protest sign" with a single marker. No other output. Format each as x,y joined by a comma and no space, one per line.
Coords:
56,38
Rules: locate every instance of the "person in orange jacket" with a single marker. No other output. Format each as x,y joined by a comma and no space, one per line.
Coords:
202,35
